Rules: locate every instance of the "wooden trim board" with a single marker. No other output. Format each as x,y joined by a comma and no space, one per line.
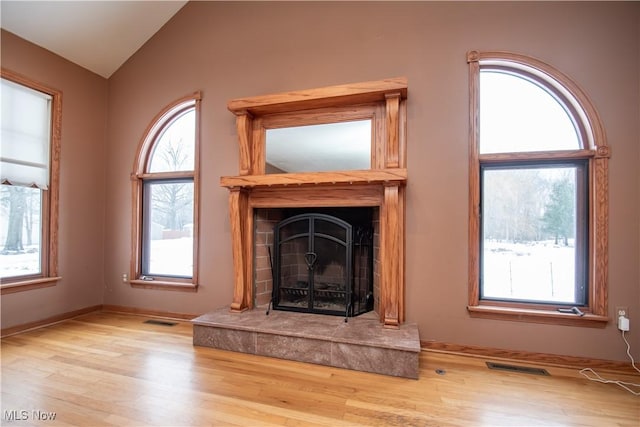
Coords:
149,313
545,359
48,321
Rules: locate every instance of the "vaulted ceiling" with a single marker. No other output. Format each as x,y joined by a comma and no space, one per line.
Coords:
97,35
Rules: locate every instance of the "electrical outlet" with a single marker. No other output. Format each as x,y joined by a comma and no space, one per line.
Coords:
125,278
622,311
622,314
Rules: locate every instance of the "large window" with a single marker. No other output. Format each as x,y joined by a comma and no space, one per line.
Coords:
165,189
538,195
30,125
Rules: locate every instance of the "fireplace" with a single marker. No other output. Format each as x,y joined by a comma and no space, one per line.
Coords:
318,248
381,186
323,262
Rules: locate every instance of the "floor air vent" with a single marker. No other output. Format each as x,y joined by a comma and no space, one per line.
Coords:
515,368
160,322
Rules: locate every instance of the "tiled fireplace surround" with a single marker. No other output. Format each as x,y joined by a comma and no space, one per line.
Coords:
379,341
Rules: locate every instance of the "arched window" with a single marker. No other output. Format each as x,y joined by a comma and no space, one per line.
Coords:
165,191
538,195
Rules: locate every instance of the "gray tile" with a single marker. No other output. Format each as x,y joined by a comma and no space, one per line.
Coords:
294,348
224,339
378,360
371,332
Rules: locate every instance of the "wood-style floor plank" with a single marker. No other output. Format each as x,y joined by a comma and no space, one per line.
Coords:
108,369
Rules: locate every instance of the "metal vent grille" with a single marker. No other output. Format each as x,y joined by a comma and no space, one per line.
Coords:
160,322
516,368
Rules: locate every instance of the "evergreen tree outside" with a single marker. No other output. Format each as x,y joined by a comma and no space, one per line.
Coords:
559,215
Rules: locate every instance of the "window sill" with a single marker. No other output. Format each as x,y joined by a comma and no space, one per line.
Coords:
27,285
165,285
537,316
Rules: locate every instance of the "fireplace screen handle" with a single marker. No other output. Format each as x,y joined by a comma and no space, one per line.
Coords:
310,259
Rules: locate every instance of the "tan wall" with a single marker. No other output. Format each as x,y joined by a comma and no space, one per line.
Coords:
82,184
231,50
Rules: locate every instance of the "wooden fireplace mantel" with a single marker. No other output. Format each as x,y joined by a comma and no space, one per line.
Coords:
384,102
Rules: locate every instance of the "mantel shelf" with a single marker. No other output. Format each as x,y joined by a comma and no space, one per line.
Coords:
348,94
379,176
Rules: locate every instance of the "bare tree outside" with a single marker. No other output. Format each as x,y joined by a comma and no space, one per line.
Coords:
173,203
20,218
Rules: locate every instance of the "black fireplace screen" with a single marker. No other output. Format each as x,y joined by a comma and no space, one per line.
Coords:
323,264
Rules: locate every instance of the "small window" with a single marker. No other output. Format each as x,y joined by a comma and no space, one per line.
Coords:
30,124
165,188
538,155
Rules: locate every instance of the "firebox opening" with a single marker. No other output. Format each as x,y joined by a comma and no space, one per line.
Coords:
317,260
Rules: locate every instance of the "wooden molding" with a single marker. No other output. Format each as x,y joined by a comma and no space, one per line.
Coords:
238,212
48,321
599,248
546,359
27,285
164,285
244,129
318,196
108,308
148,313
474,181
157,125
354,93
545,316
539,155
393,130
389,250
395,175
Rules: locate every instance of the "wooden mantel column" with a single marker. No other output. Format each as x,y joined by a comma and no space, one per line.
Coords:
393,130
392,256
241,225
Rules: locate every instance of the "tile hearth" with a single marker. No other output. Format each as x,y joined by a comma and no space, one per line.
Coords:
361,344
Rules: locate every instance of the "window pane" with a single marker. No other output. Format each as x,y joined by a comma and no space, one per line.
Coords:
517,115
168,229
175,148
530,239
20,231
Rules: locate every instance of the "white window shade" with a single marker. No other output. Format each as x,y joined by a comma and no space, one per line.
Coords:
26,130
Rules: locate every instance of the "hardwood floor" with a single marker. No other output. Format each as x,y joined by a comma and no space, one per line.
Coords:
114,369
